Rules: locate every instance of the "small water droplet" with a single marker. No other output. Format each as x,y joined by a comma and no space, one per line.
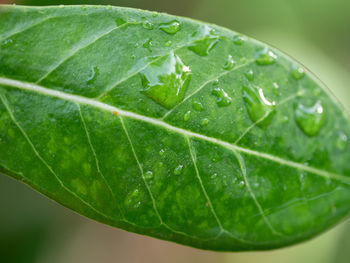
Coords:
171,27
166,80
196,105
310,119
341,141
149,175
93,75
168,43
241,184
146,24
238,40
214,175
187,115
258,106
6,43
276,89
204,46
161,152
205,122
148,44
249,75
298,72
265,57
120,21
178,169
229,64
223,99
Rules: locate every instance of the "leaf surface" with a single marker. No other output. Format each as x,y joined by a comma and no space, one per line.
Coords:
170,127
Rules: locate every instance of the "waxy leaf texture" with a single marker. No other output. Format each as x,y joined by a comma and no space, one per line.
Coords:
170,127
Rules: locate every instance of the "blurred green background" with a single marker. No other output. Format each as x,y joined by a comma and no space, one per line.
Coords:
315,32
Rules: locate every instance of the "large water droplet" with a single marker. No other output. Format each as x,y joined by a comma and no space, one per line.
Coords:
147,24
171,27
196,105
93,75
204,46
230,63
265,57
298,72
258,106
341,141
310,119
178,169
223,99
166,80
148,44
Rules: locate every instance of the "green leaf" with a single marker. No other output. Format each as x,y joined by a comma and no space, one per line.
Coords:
170,127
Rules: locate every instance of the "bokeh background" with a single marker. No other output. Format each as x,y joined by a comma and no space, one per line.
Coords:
34,229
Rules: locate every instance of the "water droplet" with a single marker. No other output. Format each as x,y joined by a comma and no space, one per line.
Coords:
258,106
147,24
178,169
241,184
133,199
6,43
120,21
298,72
196,105
276,89
310,119
132,56
168,43
238,40
149,175
229,64
154,14
166,80
204,46
148,44
204,122
266,57
223,99
214,175
171,27
187,115
161,152
341,141
249,75
93,75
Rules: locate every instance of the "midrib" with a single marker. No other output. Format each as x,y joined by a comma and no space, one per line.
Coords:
97,104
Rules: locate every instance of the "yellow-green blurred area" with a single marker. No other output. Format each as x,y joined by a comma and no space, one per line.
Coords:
315,32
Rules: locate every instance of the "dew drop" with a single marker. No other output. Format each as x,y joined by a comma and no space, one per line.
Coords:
310,119
213,176
93,75
223,99
148,44
196,105
146,24
161,152
230,63
265,57
120,21
249,75
205,122
258,106
171,27
166,80
149,175
241,184
238,40
178,169
341,141
298,72
204,46
187,115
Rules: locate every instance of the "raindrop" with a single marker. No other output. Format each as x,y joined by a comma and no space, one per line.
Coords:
266,57
298,72
148,175
310,119
260,109
196,105
171,27
204,122
341,141
166,80
148,44
187,115
223,99
147,24
120,21
178,169
238,40
249,75
229,64
93,75
204,46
